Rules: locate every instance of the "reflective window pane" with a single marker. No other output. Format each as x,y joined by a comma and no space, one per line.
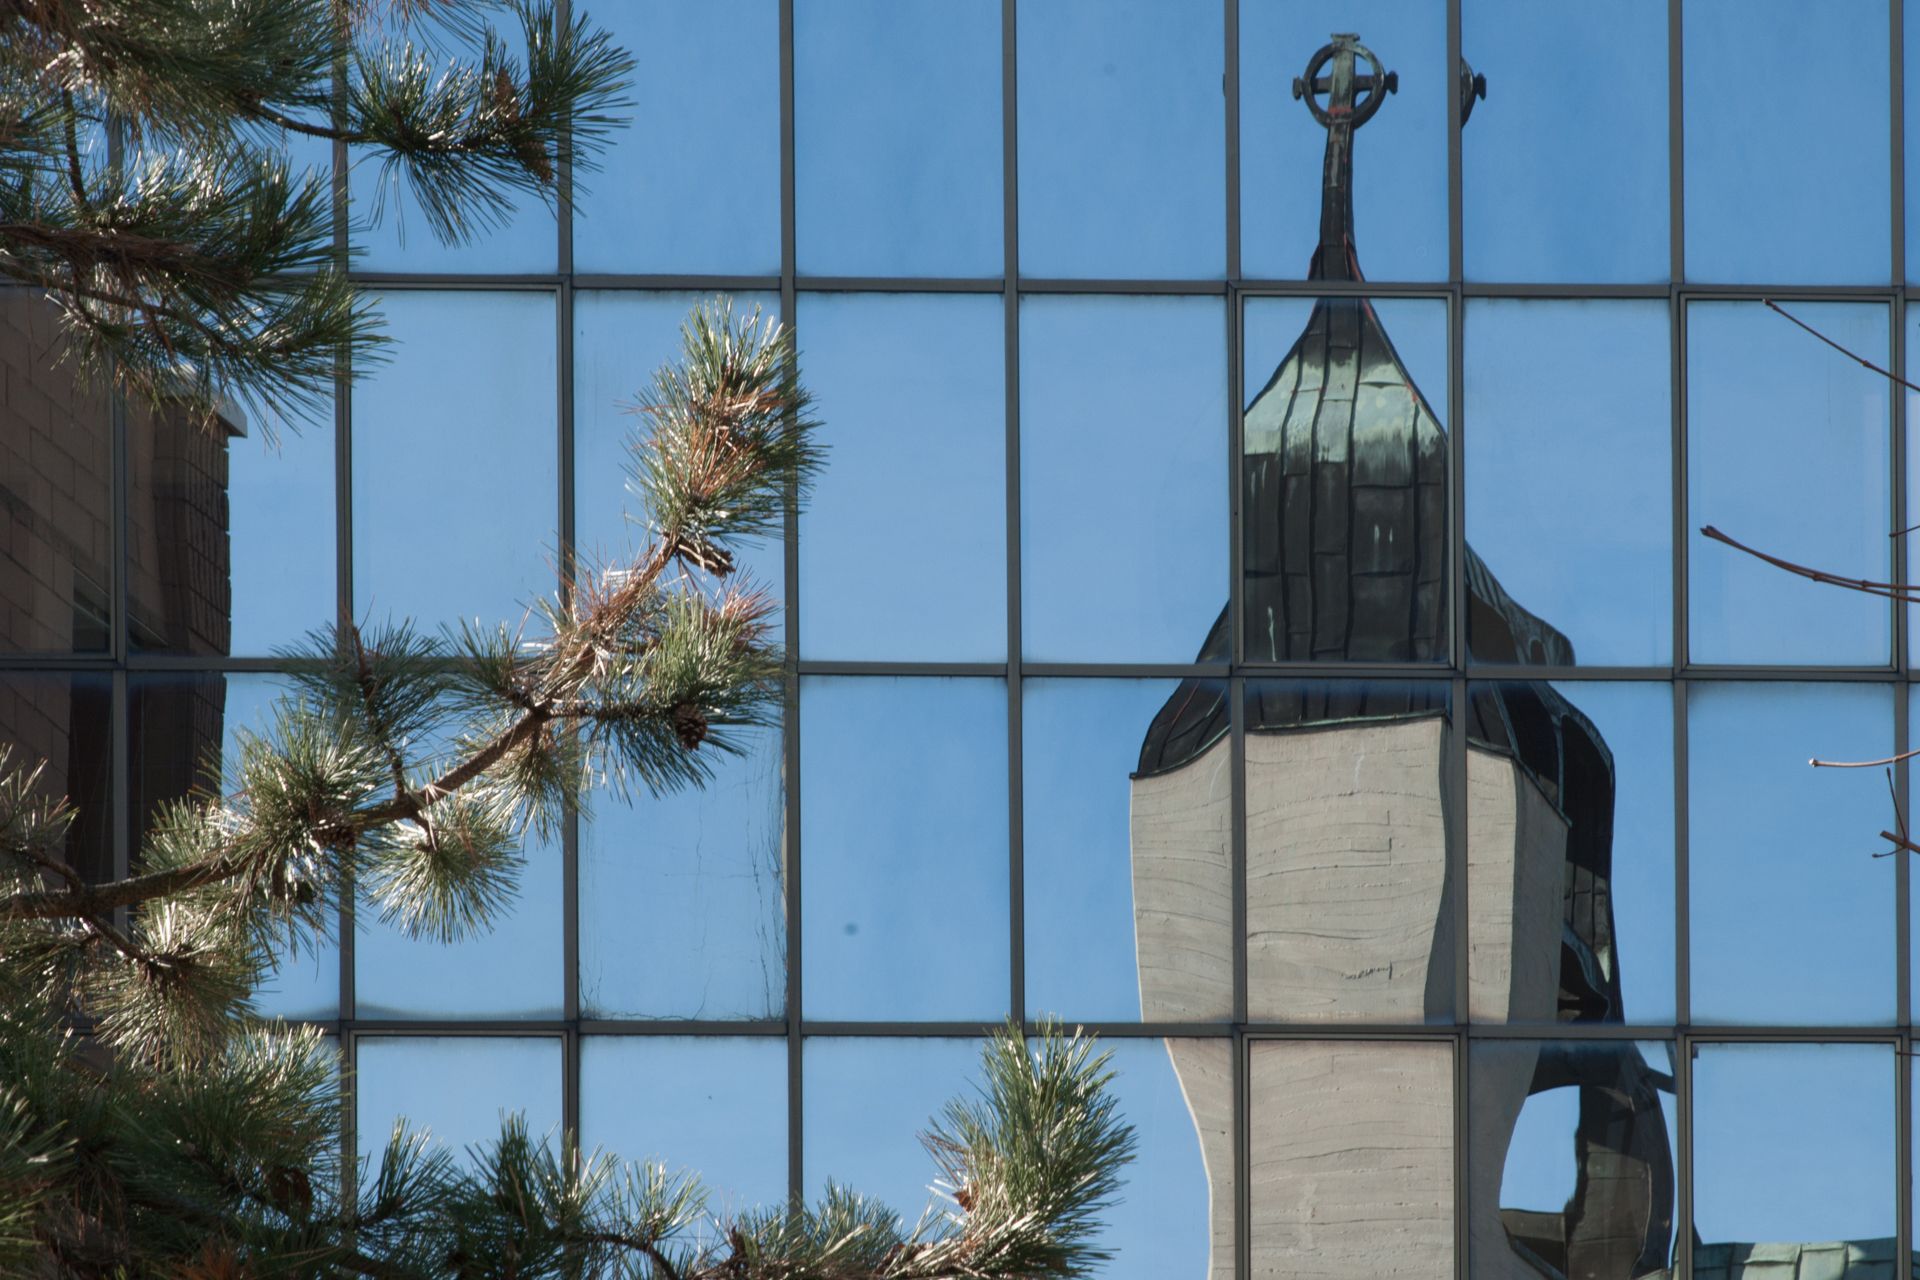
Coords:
620,340
454,487
867,1100
1552,189
1570,852
280,510
1349,918
56,479
1774,193
904,835
897,138
1569,475
512,969
1813,1185
711,1106
458,1089
1574,1151
1399,156
1787,451
63,725
911,396
1175,1210
1122,139
1142,852
1793,918
683,896
1343,497
1123,477
1351,1158
701,194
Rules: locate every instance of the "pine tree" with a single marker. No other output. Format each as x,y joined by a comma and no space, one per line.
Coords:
150,1124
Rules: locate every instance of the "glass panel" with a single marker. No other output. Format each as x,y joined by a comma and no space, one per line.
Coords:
183,736
388,225
1788,452
683,896
280,506
1344,483
512,970
897,138
1793,918
1351,1158
56,492
459,1089
693,185
466,531
1793,1160
1399,189
1552,189
1350,914
1910,29
1122,477
1129,880
1569,475
1175,1211
914,500
64,725
620,340
1122,139
1573,1151
1774,192
904,834
712,1106
867,1102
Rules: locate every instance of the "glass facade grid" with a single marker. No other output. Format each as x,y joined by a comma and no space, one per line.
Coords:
580,1040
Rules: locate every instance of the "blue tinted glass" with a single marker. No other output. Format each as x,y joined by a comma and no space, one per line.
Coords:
911,396
1568,1136
715,1107
1122,139
459,1089
1399,156
1123,477
897,138
280,513
866,1103
1570,852
619,341
1096,831
1773,191
904,847
683,896
1793,1144
1552,189
1793,917
1787,451
511,970
453,460
1569,446
388,223
693,184
1350,917
1910,28
1364,1125
1175,1210
56,454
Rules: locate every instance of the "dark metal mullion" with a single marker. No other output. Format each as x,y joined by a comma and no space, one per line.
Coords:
1683,1051
1010,377
570,1082
790,722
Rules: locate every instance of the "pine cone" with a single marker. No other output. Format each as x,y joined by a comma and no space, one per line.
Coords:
690,725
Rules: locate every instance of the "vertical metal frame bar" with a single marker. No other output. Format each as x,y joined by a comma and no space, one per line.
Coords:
790,734
570,826
1683,1051
1010,379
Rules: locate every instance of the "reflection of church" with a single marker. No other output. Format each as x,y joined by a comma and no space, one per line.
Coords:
1351,898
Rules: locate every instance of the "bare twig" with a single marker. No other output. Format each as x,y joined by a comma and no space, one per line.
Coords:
1851,355
1901,591
1863,764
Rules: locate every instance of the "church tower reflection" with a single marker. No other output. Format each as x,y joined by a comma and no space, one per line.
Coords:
1352,900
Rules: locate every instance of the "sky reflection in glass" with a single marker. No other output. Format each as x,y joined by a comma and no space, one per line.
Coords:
1123,481
866,1103
459,1089
897,167
903,547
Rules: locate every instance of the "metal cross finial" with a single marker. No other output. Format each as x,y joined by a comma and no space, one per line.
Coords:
1343,86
